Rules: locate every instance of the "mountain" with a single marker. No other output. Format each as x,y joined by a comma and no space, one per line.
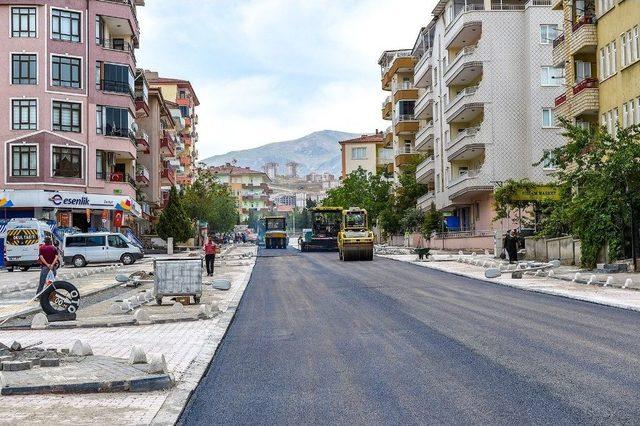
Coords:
317,152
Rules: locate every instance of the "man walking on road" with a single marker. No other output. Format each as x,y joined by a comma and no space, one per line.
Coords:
49,261
210,249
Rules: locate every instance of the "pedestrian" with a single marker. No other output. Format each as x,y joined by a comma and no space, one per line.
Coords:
49,261
210,249
512,246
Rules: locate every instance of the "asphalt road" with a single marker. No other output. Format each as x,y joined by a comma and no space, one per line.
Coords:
317,341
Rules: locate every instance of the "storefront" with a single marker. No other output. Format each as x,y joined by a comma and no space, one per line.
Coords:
86,212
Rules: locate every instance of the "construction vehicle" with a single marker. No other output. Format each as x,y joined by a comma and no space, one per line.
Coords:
275,234
323,234
355,240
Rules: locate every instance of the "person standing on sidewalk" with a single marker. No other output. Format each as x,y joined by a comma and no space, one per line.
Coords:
49,261
210,249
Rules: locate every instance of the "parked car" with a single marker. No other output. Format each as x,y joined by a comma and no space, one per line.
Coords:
22,243
99,247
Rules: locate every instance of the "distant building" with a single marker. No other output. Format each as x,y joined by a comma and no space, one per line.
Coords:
367,152
250,187
292,169
272,170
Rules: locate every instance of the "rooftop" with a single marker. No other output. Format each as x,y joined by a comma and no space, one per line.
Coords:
375,138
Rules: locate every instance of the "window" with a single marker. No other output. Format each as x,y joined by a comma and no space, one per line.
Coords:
182,94
75,241
632,112
550,76
101,165
95,241
612,57
547,117
636,43
65,25
65,71
116,78
583,70
66,117
624,52
603,64
24,69
548,33
184,111
24,115
23,22
359,153
117,241
66,162
113,121
549,163
99,30
24,160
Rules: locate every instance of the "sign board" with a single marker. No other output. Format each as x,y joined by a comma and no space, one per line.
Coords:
539,193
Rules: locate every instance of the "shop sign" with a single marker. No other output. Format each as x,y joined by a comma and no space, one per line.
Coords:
538,193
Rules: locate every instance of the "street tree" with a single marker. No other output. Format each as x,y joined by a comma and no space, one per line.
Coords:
208,200
174,221
601,174
361,189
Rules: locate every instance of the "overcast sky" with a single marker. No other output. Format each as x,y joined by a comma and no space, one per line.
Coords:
271,70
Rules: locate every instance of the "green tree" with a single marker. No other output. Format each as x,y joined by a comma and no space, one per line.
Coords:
412,220
409,190
206,199
601,175
174,221
433,221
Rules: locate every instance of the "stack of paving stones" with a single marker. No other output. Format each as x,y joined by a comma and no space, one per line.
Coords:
140,373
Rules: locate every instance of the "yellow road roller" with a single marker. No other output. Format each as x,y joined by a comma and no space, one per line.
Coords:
275,235
355,240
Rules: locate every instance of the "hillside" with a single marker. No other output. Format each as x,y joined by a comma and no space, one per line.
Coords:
318,152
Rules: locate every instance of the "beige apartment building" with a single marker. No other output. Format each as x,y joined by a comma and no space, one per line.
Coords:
368,152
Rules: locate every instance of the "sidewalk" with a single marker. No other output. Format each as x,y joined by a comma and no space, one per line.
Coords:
558,286
187,346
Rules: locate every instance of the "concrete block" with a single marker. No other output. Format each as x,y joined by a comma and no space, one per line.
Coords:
50,362
16,346
141,316
609,281
79,349
86,349
157,364
137,356
627,283
576,277
16,365
142,298
39,321
221,284
592,280
177,307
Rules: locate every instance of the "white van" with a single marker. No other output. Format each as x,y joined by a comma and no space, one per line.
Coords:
22,243
99,247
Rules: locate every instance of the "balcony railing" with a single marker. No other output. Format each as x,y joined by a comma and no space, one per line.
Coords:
561,99
467,91
583,20
429,196
468,50
143,176
405,85
167,142
403,117
464,175
386,101
118,177
462,10
115,86
587,83
120,133
424,58
500,6
558,40
117,44
428,127
399,54
405,150
471,131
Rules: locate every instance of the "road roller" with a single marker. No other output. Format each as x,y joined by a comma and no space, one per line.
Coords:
324,232
275,235
355,240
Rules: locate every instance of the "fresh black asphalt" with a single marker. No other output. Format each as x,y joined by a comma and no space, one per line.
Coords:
319,341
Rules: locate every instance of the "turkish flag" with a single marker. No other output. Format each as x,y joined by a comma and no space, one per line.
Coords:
117,219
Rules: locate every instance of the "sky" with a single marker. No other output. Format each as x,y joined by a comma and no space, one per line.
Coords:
272,70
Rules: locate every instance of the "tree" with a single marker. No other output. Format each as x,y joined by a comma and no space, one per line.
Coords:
174,221
409,190
433,221
206,199
412,220
601,176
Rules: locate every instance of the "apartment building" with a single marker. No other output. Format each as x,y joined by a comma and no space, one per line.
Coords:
250,187
397,69
484,84
599,49
68,126
182,95
368,152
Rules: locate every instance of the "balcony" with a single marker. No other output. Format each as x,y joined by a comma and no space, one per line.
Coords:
386,108
585,99
467,184
393,62
424,138
424,202
556,4
405,124
465,107
426,170
118,45
424,106
142,141
422,76
560,52
464,68
114,86
116,132
466,28
167,146
142,176
584,38
387,137
562,108
404,91
168,174
405,156
185,161
467,145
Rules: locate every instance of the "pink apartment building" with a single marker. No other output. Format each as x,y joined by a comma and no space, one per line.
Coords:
70,97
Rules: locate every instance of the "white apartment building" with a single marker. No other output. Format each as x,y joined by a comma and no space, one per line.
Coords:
486,90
